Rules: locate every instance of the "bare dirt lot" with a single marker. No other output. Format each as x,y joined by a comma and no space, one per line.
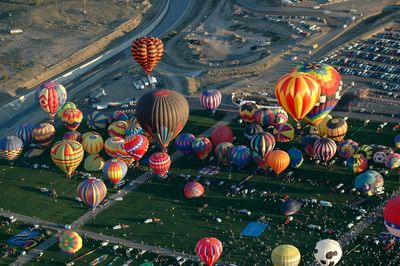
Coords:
52,31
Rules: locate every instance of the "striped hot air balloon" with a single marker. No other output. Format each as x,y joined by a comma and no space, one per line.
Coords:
285,255
93,144
89,133
120,116
202,147
366,151
67,155
65,106
111,146
223,151
325,149
321,128
297,93
336,129
391,216
209,249
251,130
247,111
115,170
357,163
296,157
278,160
307,142
160,163
331,89
136,146
392,161
51,97
10,148
240,156
93,163
280,116
132,130
262,143
147,52
283,132
73,135
97,120
117,129
25,133
92,192
71,118
133,121
184,143
193,190
70,242
43,133
347,148
210,99
264,117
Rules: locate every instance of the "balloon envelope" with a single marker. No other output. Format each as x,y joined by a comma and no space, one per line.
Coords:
184,143
240,155
115,170
97,120
391,216
221,134
247,111
70,242
278,160
10,148
325,149
347,148
67,155
285,255
262,143
25,133
160,163
296,157
289,207
209,249
193,190
202,147
92,192
147,52
328,252
210,99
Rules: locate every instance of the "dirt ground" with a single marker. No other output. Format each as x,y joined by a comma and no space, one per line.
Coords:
52,31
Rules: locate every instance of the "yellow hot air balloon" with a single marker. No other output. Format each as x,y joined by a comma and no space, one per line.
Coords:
70,242
93,163
322,129
112,146
336,129
93,143
285,255
67,155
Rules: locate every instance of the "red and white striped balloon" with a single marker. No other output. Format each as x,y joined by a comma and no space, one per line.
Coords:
210,99
160,162
325,149
209,249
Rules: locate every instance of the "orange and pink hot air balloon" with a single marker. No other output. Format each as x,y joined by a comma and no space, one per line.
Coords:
209,249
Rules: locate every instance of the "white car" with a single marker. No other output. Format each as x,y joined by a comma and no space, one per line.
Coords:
105,243
350,225
325,203
245,211
119,198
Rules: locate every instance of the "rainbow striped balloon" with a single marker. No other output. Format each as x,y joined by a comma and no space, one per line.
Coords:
93,144
202,147
70,242
97,120
44,133
184,143
65,106
25,133
264,117
283,132
92,192
115,170
223,152
72,118
112,146
117,129
240,155
10,148
210,99
67,155
347,148
357,163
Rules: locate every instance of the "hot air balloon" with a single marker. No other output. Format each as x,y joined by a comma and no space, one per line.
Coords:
71,118
278,160
327,252
44,133
25,133
111,146
193,190
202,147
283,132
223,152
289,207
70,242
210,99
163,114
262,162
93,163
184,143
336,129
67,155
97,120
297,93
285,255
264,117
280,116
251,130
262,143
65,106
247,111
115,170
132,130
93,144
136,146
331,87
73,135
322,129
221,134
160,163
392,161
120,116
124,155
92,192
307,142
133,121
369,182
51,97
209,249
147,52
391,216
397,141
296,157
347,148
379,157
240,155
117,129
357,163
367,151
89,133
325,149
10,148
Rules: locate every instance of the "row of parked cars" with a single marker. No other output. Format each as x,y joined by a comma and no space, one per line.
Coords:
354,63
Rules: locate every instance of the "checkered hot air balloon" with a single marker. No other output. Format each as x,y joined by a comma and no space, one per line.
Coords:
10,148
193,190
210,99
160,163
240,156
184,143
97,120
262,143
93,144
209,249
70,242
71,118
325,149
357,163
297,93
223,151
307,142
92,192
331,89
202,147
117,129
278,160
112,145
73,135
25,133
67,155
115,170
336,129
264,117
51,97
147,52
43,133
136,145
285,255
347,148
247,111
283,132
